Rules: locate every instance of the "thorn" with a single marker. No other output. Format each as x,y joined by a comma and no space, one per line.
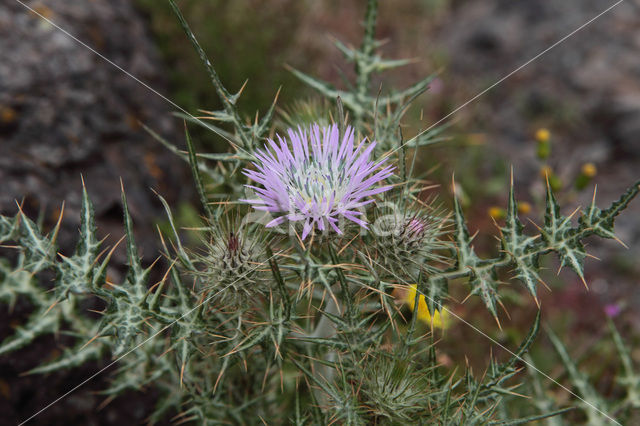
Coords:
19,205
453,184
165,352
498,322
264,379
115,246
239,93
106,402
89,342
535,298
300,239
584,282
182,373
275,99
544,284
536,225
215,387
504,309
50,307
619,241
164,278
154,262
465,299
347,245
56,229
592,256
162,241
573,213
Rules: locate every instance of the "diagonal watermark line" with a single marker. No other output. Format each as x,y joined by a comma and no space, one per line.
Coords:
110,62
88,379
419,134
491,339
524,361
507,76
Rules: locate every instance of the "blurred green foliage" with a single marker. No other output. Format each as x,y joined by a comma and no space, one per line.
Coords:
242,45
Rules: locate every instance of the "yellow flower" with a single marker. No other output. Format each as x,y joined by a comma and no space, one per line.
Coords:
440,318
524,207
496,213
589,170
543,135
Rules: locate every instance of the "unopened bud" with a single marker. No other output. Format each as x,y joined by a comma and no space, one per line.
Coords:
543,139
587,172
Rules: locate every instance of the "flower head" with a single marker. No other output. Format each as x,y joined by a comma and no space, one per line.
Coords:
396,390
232,265
316,177
589,170
407,240
543,135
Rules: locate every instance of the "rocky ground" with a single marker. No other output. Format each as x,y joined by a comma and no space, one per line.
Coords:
586,90
64,113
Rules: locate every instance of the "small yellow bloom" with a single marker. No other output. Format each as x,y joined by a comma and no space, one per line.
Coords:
440,318
524,207
543,139
543,135
496,213
589,170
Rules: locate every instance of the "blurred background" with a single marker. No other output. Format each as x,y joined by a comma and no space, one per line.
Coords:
66,112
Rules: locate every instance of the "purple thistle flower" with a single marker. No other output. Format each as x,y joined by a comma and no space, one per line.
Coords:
314,177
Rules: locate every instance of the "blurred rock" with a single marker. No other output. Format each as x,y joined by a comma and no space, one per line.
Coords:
588,86
586,90
65,112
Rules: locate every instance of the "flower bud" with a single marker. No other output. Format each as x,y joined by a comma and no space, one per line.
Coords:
234,269
394,389
405,241
543,135
543,139
587,173
589,170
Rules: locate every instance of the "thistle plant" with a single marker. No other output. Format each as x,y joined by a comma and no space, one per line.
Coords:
288,311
